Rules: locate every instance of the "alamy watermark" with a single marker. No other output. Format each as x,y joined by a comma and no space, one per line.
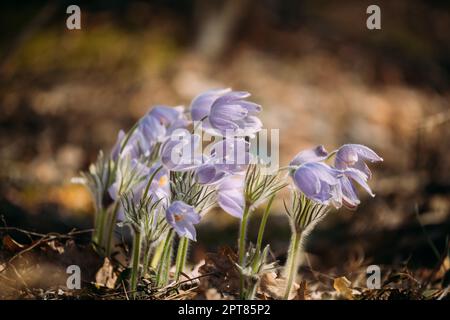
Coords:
373,22
73,22
373,277
74,279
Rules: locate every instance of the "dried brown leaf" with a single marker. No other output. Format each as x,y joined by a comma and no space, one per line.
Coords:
273,287
343,286
106,276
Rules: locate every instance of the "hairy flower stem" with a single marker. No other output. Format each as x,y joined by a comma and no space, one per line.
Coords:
262,226
291,266
157,255
96,227
135,261
162,276
242,236
111,227
181,256
146,263
99,229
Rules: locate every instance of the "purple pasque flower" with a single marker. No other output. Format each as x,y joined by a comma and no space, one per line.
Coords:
130,149
152,129
353,156
230,195
333,185
160,122
171,118
182,217
201,104
166,115
208,174
228,156
315,154
319,182
225,111
181,151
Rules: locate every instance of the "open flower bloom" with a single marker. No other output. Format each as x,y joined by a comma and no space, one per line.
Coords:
353,156
224,111
227,157
181,151
230,195
182,217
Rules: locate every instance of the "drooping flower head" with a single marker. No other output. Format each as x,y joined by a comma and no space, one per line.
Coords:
224,111
353,156
230,195
182,217
333,185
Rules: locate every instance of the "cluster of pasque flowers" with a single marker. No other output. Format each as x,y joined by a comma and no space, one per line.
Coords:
159,180
162,139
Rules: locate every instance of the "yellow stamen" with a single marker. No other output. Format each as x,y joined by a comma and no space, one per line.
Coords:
162,181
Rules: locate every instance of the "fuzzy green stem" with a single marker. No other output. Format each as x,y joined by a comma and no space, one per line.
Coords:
112,225
164,264
135,262
157,255
181,257
262,226
242,236
96,227
167,264
146,262
99,227
292,261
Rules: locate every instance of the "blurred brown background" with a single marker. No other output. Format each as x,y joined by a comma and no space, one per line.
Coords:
320,74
